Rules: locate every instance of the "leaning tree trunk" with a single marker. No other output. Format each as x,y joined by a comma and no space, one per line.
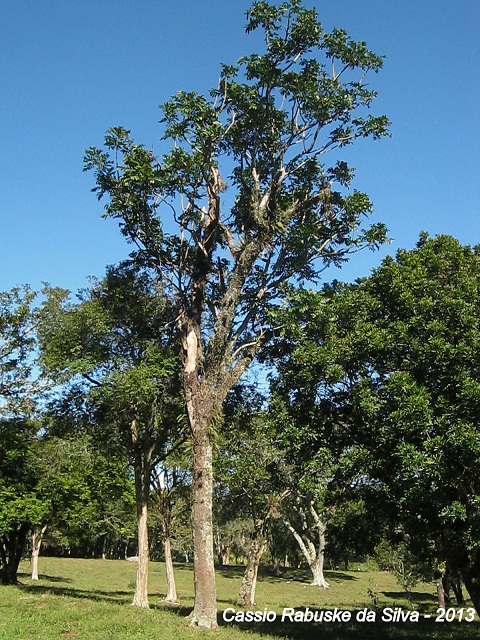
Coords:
142,484
451,580
313,555
171,588
457,590
246,597
37,537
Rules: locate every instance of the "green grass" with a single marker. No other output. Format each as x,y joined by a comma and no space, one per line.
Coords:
89,600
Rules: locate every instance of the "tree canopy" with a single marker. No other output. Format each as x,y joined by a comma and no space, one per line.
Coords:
391,362
243,202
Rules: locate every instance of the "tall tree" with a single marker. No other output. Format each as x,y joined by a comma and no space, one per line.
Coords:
118,338
259,138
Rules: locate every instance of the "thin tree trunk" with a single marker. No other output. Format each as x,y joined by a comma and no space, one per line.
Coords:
37,537
171,588
226,554
246,596
451,580
440,595
142,483
457,590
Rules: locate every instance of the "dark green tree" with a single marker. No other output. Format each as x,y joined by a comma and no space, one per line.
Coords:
394,359
88,495
242,203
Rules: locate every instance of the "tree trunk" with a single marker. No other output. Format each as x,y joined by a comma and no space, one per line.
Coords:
171,589
37,537
316,567
457,590
313,555
142,484
226,554
12,545
440,595
205,609
200,404
472,585
451,580
246,596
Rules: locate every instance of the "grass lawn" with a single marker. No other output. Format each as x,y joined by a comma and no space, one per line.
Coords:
89,600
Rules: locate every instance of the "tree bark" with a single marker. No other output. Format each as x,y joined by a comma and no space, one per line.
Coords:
313,555
440,595
226,555
171,588
316,567
142,484
205,609
457,590
200,403
37,537
246,597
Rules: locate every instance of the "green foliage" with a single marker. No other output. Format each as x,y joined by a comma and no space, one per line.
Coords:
118,339
20,386
247,459
19,502
390,365
89,494
401,562
269,123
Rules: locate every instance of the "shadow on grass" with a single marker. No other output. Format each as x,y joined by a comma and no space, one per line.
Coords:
269,574
45,577
416,596
353,630
115,597
423,602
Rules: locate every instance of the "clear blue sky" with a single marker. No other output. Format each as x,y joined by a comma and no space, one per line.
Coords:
71,69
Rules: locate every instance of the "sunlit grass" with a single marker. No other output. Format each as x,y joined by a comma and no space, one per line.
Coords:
89,599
